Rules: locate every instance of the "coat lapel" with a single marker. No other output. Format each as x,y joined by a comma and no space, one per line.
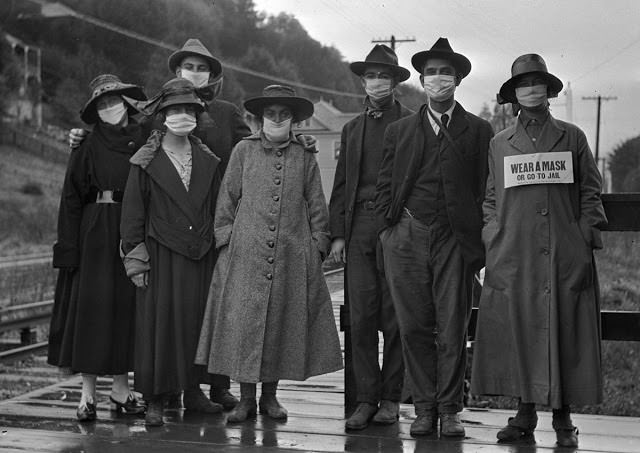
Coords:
521,141
354,165
202,173
552,132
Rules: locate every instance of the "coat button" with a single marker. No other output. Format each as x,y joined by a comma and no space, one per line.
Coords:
544,211
269,276
270,260
545,251
279,153
190,228
276,198
278,166
276,181
271,244
131,144
272,228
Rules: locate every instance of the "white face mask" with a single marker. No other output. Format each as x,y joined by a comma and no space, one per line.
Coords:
377,89
180,124
198,79
276,132
439,87
531,96
114,114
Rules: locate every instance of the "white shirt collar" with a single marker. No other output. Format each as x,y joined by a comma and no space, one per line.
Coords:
438,115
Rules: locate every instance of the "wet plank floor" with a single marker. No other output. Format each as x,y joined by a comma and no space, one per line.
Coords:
44,421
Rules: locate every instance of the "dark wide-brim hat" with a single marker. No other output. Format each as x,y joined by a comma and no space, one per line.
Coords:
302,108
442,49
384,56
108,83
194,47
530,63
176,91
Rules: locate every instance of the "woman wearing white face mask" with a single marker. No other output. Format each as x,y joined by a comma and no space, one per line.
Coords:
92,327
538,335
269,314
167,240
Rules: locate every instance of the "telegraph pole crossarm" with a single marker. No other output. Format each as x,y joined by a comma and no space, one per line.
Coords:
393,40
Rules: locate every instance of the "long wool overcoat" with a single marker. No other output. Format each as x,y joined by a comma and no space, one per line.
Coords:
92,326
538,335
170,230
269,313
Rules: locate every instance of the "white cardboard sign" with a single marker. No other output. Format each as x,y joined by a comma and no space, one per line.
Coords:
538,168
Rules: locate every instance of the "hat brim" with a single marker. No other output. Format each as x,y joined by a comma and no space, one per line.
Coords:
459,61
302,108
359,67
181,99
176,57
507,93
89,113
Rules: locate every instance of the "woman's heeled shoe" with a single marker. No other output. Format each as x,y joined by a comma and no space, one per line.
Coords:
86,412
246,408
132,406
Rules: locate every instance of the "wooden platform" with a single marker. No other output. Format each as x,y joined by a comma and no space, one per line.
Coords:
44,421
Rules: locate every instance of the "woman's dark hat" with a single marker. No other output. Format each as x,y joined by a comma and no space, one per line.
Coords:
442,49
381,55
108,83
302,108
530,63
175,92
194,47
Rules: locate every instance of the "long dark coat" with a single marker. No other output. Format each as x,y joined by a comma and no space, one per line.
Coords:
463,167
538,335
175,227
269,313
92,326
347,178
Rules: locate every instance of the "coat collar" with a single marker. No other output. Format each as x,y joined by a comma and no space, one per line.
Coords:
159,167
552,132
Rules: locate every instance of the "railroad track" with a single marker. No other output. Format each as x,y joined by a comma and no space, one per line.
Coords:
27,259
25,316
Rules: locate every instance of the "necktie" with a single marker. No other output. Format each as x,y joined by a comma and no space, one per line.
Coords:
444,119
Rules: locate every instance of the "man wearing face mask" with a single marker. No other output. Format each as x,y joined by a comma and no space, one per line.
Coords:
355,240
428,199
538,334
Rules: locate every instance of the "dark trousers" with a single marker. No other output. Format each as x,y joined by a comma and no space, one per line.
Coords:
431,291
370,310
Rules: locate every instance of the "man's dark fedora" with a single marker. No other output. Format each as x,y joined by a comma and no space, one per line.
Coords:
108,83
194,47
302,108
442,49
530,63
384,56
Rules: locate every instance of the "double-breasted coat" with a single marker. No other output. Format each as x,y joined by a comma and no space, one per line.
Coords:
168,230
538,333
93,321
269,313
463,168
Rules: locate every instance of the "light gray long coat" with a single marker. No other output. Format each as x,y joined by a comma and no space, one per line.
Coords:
269,313
538,334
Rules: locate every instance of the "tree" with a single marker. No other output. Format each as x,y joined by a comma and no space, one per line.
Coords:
501,117
624,164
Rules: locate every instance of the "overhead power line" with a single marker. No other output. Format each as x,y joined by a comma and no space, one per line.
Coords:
60,10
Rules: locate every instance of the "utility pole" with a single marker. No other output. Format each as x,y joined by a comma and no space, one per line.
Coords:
599,99
393,41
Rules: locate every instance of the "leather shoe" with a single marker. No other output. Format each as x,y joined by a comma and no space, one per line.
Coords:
566,433
269,405
86,412
518,428
387,413
451,426
361,416
245,408
195,400
424,424
154,413
224,397
132,406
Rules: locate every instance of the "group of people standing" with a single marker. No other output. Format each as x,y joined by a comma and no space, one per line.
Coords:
222,250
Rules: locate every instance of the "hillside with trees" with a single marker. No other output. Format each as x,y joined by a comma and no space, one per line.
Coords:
75,50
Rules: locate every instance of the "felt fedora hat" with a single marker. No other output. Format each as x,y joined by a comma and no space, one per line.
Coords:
108,83
194,47
442,49
174,92
384,56
302,108
530,63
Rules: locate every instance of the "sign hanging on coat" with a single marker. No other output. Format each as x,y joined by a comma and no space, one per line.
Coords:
538,168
